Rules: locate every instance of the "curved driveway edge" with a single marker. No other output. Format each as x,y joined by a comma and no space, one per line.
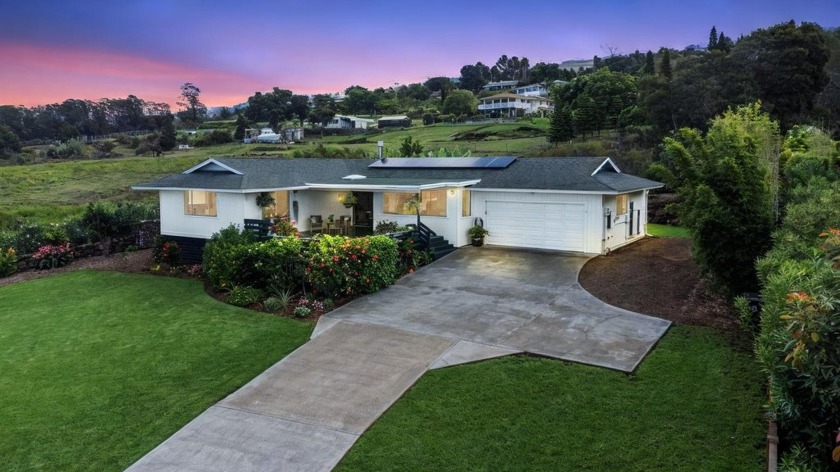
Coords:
513,299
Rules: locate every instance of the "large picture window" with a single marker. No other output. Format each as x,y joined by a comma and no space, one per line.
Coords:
199,203
432,203
466,203
281,205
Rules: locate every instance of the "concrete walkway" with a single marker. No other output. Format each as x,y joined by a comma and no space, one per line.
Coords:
306,411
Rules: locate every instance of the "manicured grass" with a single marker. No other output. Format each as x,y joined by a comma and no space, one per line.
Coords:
668,231
694,404
97,368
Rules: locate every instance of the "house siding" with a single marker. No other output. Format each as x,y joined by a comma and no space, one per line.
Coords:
231,208
619,233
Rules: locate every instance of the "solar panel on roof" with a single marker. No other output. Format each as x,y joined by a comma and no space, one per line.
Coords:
486,162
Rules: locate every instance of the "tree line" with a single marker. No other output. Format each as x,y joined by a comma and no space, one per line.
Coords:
794,70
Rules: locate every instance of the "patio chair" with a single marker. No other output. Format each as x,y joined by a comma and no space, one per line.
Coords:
316,224
345,224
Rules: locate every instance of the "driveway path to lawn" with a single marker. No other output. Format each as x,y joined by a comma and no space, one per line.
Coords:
306,411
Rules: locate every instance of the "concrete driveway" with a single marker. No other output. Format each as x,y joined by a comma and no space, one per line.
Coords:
515,301
305,412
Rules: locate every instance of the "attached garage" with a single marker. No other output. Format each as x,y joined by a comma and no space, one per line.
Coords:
558,226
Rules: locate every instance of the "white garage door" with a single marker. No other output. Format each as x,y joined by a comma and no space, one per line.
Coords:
559,226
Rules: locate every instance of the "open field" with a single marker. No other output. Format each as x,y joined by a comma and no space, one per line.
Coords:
693,404
100,367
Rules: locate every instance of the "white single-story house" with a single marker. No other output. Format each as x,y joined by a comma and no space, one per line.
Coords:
512,105
577,204
349,122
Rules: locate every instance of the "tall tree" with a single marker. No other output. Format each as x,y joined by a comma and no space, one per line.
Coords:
241,126
665,66
274,107
713,39
473,77
728,204
300,107
650,64
562,125
440,84
194,111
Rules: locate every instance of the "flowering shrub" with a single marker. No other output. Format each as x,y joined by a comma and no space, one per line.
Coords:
285,227
53,256
166,252
411,259
8,262
338,265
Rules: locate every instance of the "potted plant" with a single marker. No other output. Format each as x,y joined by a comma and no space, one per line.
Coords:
477,234
349,200
265,200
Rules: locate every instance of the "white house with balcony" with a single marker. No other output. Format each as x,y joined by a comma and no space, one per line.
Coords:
511,105
533,90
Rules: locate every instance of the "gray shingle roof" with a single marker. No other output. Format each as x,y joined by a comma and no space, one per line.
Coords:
530,173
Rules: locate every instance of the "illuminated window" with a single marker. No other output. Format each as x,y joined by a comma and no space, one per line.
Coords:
432,203
281,205
621,204
199,203
466,203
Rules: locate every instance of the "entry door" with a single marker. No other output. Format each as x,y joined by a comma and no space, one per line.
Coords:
558,226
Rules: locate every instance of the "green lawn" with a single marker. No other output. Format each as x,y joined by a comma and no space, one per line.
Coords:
693,405
667,231
97,368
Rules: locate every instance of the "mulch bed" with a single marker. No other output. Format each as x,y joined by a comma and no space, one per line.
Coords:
135,262
657,276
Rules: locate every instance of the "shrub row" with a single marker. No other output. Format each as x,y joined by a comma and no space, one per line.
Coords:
328,266
100,221
798,344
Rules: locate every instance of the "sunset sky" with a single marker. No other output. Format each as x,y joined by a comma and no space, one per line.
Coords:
54,50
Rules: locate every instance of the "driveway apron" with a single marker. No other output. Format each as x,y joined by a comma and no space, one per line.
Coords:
306,411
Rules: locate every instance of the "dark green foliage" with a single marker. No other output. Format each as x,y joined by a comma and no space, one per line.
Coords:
105,220
410,148
562,125
217,136
219,252
243,296
787,63
723,178
167,137
9,141
241,126
665,66
596,100
166,252
460,102
650,64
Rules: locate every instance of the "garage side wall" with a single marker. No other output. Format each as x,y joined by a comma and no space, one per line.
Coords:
620,232
543,220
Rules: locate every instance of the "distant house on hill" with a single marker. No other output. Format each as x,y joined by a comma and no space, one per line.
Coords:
348,122
501,85
510,105
396,121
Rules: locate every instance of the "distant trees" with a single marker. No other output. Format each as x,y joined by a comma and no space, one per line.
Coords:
460,102
440,84
562,126
596,100
273,107
510,68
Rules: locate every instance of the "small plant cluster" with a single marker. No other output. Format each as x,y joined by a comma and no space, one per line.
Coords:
411,259
166,252
52,256
388,227
8,262
285,227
